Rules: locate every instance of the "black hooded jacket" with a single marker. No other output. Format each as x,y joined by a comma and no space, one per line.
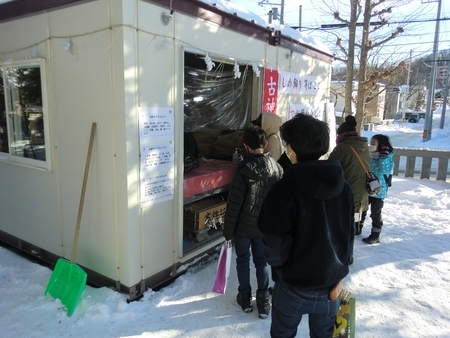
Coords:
307,224
253,178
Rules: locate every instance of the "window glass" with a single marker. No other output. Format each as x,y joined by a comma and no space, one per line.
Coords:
23,124
3,126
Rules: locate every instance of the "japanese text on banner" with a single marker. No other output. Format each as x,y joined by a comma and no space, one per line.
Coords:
270,91
292,83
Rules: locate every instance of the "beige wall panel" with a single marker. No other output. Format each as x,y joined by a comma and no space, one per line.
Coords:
157,89
124,12
218,41
21,36
82,91
29,206
158,237
149,19
126,97
200,35
80,19
29,198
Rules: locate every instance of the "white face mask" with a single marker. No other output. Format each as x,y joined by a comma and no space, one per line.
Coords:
372,148
289,156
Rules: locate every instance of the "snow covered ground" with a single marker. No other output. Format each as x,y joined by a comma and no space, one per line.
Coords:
402,285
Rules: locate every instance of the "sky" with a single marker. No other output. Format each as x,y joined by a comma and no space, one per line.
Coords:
418,37
401,286
416,41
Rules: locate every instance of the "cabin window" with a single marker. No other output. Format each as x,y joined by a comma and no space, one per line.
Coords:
216,99
23,118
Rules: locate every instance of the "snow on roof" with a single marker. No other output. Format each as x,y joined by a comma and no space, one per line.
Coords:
232,8
235,9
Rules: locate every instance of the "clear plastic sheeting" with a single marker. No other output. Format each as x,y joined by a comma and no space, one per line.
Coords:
216,99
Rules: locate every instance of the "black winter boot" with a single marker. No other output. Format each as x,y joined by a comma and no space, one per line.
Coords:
244,299
358,226
263,304
373,238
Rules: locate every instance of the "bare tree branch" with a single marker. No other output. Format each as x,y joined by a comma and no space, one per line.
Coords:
382,25
393,36
339,44
338,18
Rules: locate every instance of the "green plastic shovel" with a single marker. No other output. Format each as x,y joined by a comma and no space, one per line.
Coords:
68,280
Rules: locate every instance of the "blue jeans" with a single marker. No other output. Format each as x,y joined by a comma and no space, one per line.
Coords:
290,304
242,246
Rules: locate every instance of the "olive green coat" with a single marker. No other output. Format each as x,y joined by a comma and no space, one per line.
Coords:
353,171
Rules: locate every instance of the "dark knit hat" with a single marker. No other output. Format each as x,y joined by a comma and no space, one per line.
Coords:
348,125
258,121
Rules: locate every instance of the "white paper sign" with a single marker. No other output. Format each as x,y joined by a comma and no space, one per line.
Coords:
155,123
293,83
315,111
156,188
157,155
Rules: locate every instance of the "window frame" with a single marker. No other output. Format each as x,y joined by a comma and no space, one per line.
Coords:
25,161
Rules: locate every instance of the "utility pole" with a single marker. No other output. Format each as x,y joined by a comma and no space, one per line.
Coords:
273,13
444,101
300,18
407,88
428,126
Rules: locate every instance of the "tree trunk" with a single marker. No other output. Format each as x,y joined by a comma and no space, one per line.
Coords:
351,59
362,85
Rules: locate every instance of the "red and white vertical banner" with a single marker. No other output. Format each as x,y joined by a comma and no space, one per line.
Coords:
270,91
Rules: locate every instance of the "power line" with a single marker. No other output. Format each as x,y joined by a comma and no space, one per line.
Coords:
415,43
343,25
422,34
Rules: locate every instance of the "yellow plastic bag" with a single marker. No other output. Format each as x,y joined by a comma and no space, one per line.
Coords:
344,326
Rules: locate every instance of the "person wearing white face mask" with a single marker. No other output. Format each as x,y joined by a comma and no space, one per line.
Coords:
307,224
373,149
284,160
355,174
382,165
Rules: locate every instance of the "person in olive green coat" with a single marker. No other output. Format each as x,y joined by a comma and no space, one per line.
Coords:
353,171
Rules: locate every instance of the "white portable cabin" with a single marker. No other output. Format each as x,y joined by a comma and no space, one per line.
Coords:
66,64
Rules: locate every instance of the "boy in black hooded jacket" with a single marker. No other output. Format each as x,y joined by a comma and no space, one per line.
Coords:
253,178
307,223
